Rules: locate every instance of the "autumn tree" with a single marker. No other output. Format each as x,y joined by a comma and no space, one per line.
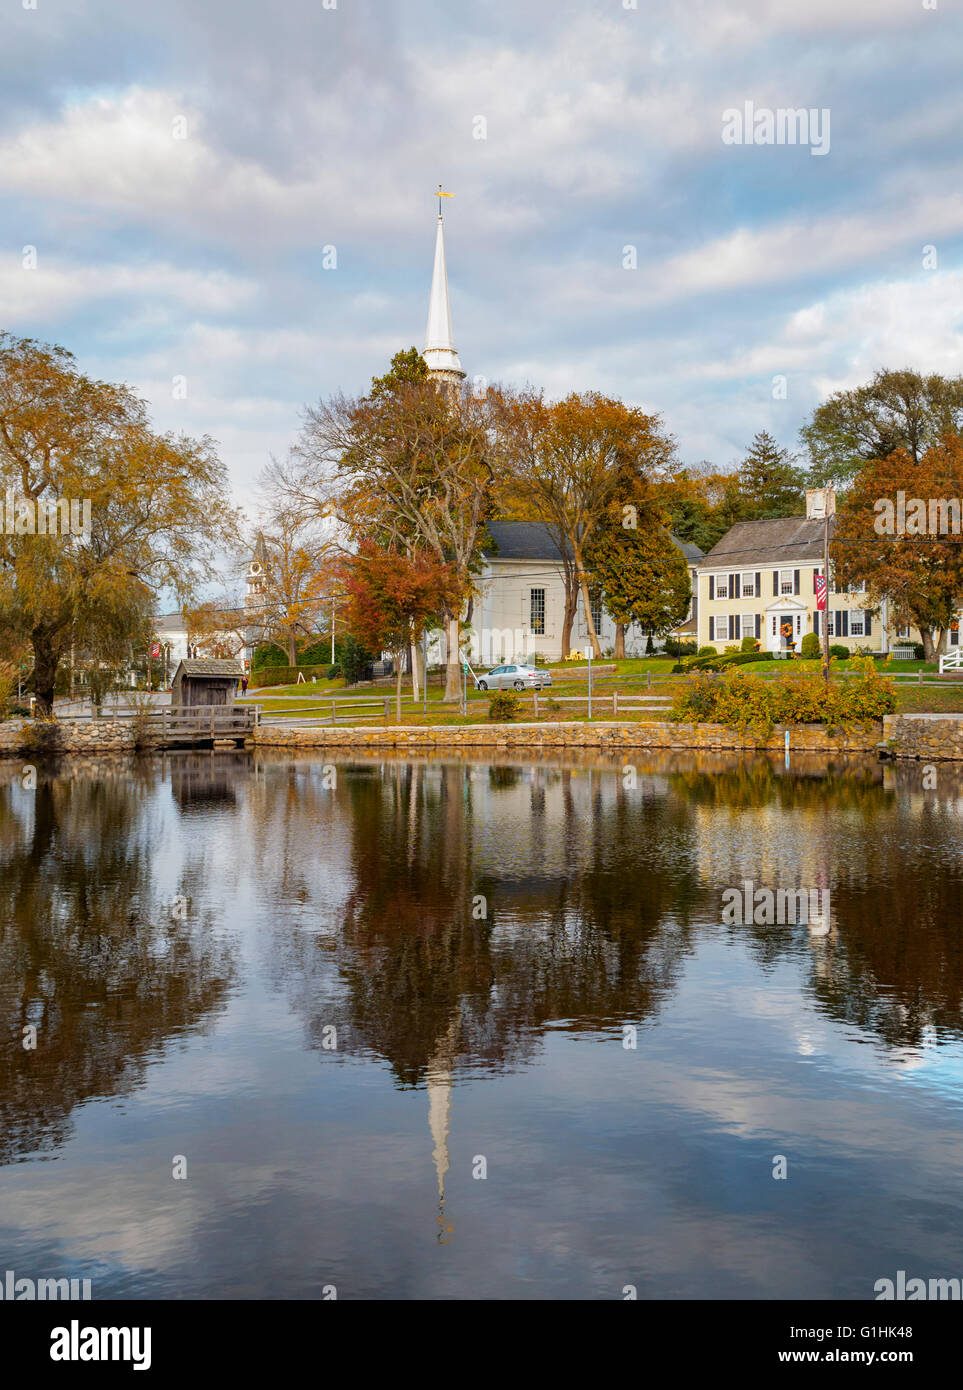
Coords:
394,597
641,573
157,510
701,503
897,410
919,574
408,466
293,588
578,458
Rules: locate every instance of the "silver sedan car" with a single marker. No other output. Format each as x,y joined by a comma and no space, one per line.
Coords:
519,676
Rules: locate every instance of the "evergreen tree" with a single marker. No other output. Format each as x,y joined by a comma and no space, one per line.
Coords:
770,484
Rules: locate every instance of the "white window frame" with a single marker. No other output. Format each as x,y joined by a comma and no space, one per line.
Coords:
749,631
786,586
722,586
747,585
536,624
857,617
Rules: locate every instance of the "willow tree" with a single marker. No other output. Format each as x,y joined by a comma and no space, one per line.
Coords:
151,509
409,466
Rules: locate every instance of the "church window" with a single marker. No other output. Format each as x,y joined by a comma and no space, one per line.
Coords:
537,611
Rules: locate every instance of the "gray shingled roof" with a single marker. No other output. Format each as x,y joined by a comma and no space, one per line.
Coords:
523,540
533,540
210,666
782,542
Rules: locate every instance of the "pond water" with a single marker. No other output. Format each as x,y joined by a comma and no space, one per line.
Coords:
274,1025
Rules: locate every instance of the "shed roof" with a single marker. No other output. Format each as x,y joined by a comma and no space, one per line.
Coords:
210,666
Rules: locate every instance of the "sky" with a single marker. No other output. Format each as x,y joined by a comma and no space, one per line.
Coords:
183,171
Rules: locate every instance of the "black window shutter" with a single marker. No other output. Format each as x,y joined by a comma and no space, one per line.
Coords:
816,622
712,586
733,591
845,617
775,583
758,585
758,625
867,624
795,581
732,626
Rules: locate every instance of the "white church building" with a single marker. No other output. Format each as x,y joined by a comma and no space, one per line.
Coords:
519,603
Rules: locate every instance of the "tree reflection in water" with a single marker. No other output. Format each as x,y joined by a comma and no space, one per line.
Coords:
89,955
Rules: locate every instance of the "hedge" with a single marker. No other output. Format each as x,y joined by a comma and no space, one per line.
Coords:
743,701
719,663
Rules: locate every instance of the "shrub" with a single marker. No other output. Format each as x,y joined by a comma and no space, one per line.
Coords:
749,644
649,645
837,649
707,651
333,672
719,663
919,651
809,647
268,655
8,684
143,724
743,701
315,654
678,649
503,706
355,659
43,736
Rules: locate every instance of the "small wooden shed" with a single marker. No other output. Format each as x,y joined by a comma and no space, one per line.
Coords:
206,681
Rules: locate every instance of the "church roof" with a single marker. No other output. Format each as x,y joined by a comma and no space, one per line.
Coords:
439,350
523,540
533,540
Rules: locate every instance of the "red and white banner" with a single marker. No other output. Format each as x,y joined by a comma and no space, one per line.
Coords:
155,649
821,593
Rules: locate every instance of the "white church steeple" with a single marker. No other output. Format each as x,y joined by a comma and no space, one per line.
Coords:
439,353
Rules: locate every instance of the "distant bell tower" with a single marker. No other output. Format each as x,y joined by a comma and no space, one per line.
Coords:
256,575
439,353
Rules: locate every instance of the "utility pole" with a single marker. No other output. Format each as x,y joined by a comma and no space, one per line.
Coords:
829,500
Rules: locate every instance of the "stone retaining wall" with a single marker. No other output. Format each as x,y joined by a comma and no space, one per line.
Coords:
610,737
933,737
74,736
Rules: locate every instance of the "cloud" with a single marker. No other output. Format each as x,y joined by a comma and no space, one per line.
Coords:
306,127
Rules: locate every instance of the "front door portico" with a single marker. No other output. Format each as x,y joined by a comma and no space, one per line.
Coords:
786,621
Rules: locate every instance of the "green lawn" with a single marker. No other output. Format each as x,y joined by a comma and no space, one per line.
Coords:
314,697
